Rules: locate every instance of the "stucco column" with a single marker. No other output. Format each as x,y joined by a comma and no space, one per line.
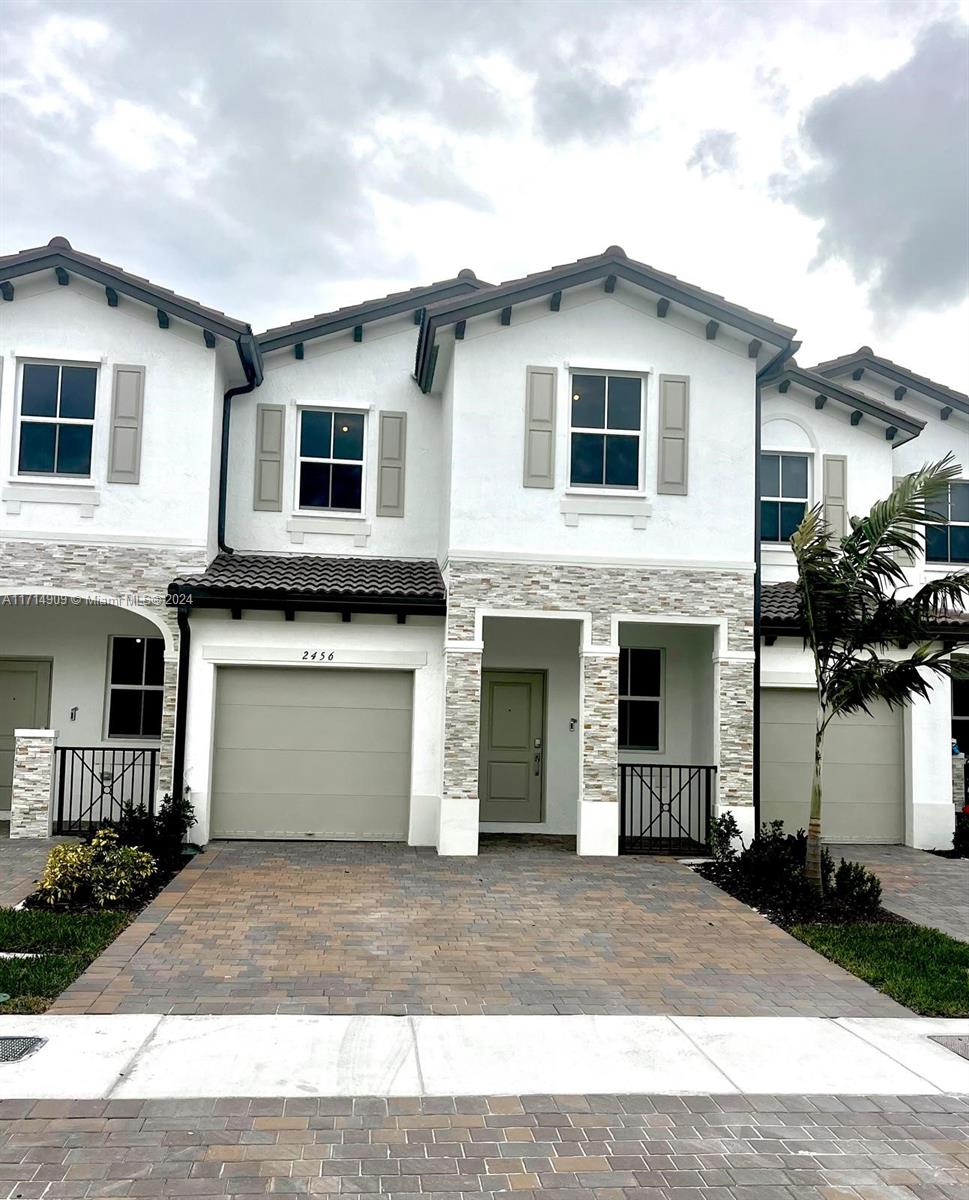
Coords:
598,825
33,783
458,828
929,811
734,692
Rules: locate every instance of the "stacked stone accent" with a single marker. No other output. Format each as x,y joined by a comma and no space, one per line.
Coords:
33,783
127,575
735,688
462,700
600,726
959,780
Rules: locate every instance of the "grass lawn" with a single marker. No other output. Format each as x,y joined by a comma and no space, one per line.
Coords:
68,943
923,969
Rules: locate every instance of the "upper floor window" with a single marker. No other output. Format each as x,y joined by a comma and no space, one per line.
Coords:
949,543
784,495
330,463
56,419
960,714
640,699
136,687
605,431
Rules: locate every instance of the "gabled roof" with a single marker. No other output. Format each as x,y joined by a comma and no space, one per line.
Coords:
416,298
312,581
60,256
904,425
780,613
612,264
865,359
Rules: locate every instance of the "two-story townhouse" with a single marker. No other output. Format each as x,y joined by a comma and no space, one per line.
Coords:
842,433
111,392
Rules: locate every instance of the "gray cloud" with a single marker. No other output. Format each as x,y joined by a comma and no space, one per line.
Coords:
715,152
891,181
580,103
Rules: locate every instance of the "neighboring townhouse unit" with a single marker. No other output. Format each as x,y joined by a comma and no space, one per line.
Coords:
465,558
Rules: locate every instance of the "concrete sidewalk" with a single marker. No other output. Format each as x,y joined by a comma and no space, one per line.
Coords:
150,1056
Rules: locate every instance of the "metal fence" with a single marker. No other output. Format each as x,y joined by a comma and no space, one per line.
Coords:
665,809
94,784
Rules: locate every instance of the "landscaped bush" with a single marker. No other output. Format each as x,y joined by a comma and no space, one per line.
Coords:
769,875
960,839
162,833
101,874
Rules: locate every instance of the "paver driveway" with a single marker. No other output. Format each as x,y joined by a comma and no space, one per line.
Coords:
21,863
919,886
526,927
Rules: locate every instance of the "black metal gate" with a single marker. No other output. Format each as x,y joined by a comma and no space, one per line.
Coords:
665,809
95,784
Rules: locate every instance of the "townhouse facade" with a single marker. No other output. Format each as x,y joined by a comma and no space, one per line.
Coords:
467,558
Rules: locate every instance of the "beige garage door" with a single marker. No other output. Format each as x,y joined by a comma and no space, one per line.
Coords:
311,753
863,788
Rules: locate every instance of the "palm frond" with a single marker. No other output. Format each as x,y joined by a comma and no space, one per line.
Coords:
865,682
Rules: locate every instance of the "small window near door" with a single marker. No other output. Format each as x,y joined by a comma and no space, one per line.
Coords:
136,687
640,699
783,495
960,714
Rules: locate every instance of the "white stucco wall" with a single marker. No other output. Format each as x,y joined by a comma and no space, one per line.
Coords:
492,513
372,642
171,503
375,375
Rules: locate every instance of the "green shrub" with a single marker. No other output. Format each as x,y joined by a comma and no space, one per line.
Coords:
856,894
724,831
162,833
960,839
99,874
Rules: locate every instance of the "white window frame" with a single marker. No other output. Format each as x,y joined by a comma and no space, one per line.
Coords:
609,489
660,699
20,419
130,687
947,563
334,513
808,456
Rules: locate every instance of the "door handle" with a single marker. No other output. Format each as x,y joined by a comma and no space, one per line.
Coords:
538,763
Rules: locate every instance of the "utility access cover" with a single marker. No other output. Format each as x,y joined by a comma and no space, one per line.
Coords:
957,1043
13,1049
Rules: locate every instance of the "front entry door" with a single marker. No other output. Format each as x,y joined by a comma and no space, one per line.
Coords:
24,704
512,764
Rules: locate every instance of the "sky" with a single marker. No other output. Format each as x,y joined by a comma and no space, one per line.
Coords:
807,160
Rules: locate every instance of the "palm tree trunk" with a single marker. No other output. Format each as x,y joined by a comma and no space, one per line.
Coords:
813,861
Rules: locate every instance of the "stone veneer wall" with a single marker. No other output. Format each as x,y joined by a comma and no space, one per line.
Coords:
129,575
33,783
663,593
959,762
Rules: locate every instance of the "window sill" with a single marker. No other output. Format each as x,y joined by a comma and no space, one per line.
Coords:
346,525
45,491
605,504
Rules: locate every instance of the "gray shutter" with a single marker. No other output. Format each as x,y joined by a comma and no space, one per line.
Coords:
835,470
674,435
127,414
540,387
267,493
391,456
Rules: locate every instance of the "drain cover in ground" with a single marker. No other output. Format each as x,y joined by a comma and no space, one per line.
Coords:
958,1043
13,1049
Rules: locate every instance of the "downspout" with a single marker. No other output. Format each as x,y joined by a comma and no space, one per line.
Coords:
181,702
224,457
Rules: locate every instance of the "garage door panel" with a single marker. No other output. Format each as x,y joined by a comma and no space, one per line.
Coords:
322,753
863,784
330,729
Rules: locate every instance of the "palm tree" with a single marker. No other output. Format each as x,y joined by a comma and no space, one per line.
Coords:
870,633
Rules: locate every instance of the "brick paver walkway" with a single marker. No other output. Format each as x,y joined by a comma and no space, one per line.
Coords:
263,927
565,1148
919,886
21,862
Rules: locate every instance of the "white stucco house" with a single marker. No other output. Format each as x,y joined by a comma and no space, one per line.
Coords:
467,558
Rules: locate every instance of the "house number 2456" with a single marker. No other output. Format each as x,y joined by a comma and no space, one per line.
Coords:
318,656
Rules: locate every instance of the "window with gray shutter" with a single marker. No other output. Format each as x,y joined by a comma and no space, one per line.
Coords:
540,386
270,431
835,479
674,434
127,415
391,455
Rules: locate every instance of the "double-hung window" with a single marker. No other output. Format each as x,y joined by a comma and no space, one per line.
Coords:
56,419
784,495
960,714
606,431
136,686
949,543
640,699
330,466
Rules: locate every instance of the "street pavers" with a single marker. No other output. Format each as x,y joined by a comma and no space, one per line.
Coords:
574,1147
527,927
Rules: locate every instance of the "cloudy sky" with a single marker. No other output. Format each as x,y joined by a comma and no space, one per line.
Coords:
808,160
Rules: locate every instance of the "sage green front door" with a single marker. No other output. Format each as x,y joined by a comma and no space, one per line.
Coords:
512,765
24,704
